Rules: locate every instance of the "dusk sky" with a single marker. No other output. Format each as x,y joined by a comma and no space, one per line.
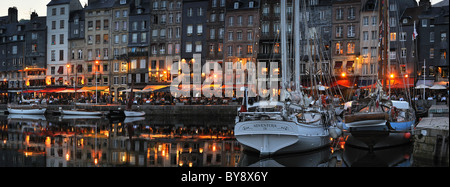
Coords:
25,7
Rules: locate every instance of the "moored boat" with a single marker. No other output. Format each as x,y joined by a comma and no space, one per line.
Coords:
81,112
27,109
130,113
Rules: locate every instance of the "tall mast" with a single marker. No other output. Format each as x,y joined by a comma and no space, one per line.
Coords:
383,51
285,72
296,25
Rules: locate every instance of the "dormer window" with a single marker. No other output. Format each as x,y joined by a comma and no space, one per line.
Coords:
251,4
122,2
139,11
236,5
405,20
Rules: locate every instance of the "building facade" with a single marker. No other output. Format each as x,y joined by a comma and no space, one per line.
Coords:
58,12
22,55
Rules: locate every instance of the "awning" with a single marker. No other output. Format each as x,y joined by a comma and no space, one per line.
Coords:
442,83
32,91
345,83
60,70
98,88
396,83
49,90
129,90
426,82
152,88
71,90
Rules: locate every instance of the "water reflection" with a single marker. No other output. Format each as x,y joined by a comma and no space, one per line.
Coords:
58,141
162,141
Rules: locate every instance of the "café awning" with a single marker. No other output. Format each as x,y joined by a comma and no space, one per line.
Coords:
50,90
152,88
98,88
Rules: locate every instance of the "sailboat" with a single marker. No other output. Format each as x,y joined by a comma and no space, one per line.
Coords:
281,127
376,121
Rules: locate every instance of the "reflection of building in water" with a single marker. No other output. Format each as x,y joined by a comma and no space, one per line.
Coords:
64,144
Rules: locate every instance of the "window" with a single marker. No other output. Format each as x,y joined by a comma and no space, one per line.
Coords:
199,29
200,11
198,46
14,50
350,48
365,35
393,36
374,35
351,31
189,30
190,12
431,36
403,54
230,36
236,5
443,36
374,20
366,20
403,36
249,49
61,55
212,33
392,22
105,24
339,14
188,47
239,35
351,13
61,24
339,31
53,25
143,64
365,52
431,53
250,20
98,24
134,37
230,50
424,23
339,48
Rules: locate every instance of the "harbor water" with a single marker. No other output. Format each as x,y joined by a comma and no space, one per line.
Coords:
163,141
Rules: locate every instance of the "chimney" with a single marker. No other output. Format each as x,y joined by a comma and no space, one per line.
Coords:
33,15
12,15
425,4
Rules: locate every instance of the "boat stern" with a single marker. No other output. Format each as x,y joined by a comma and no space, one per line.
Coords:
266,136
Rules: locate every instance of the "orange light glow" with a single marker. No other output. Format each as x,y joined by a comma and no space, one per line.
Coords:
406,76
392,76
343,75
67,156
96,161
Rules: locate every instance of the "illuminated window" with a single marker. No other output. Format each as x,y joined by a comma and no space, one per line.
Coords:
393,36
350,48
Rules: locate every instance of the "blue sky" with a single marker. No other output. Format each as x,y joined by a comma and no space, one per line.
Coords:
25,7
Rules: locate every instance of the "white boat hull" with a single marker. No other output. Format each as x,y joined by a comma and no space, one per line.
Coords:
36,111
134,113
84,113
271,137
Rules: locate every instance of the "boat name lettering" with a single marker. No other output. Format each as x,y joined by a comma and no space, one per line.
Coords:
265,125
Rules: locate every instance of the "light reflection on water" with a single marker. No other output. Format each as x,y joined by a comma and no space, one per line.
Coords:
163,141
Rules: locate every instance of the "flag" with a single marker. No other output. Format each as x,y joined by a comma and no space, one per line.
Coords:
415,34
